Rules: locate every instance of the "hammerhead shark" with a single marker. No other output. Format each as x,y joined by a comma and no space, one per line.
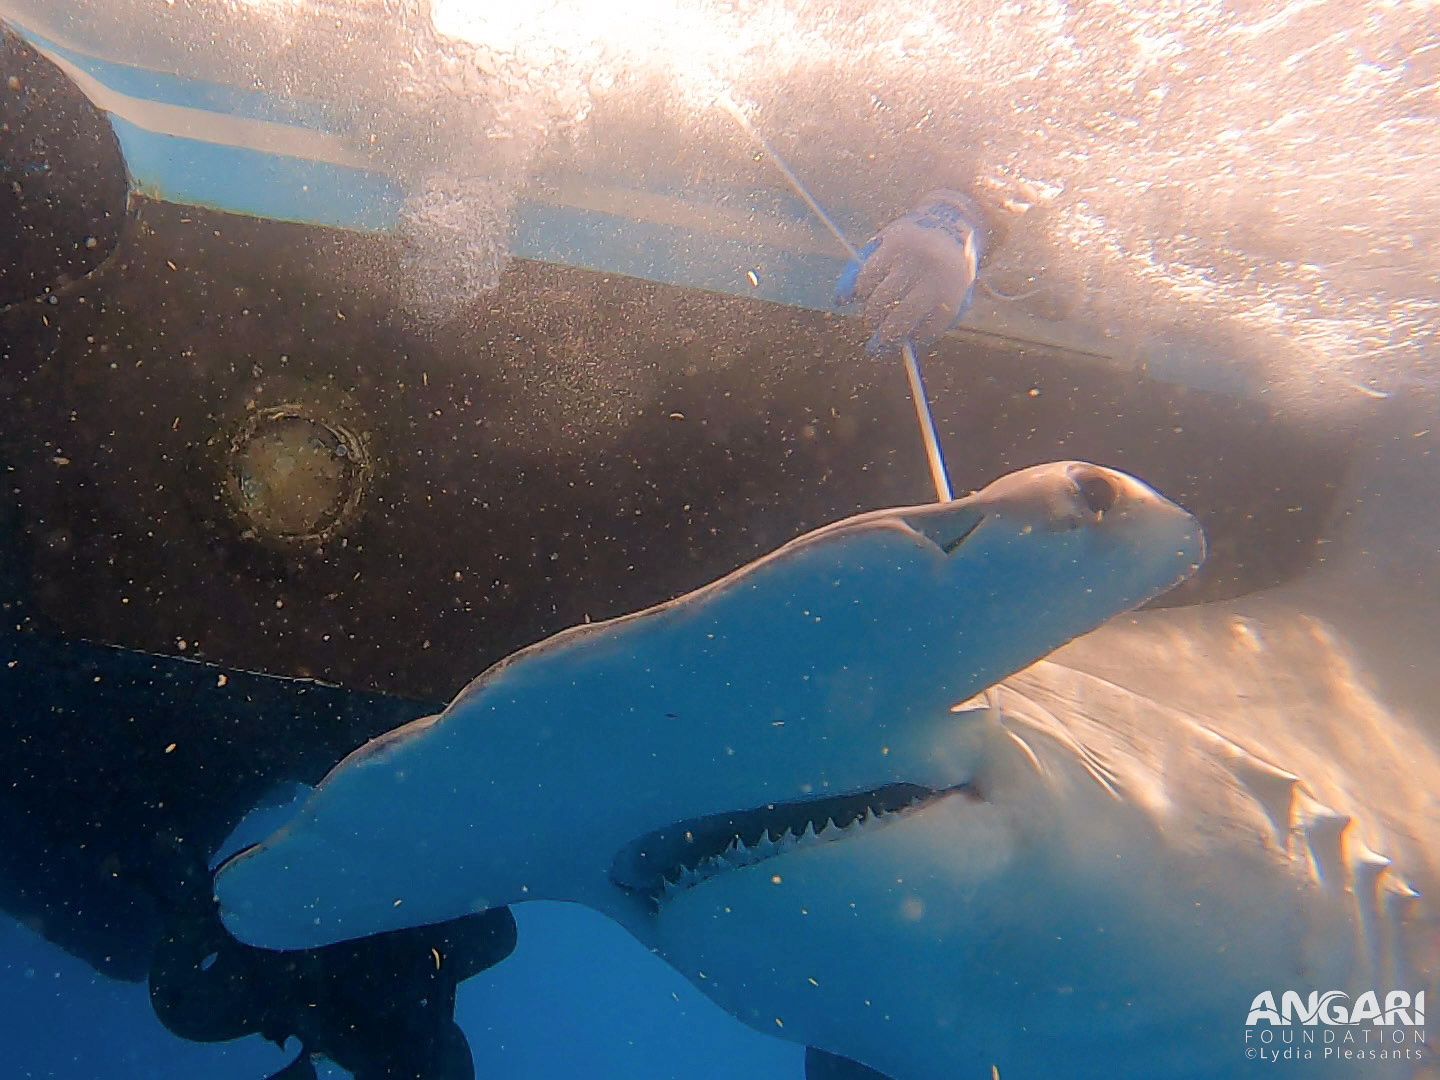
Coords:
808,703
1109,863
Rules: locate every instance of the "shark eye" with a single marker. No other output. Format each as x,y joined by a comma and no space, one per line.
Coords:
1097,489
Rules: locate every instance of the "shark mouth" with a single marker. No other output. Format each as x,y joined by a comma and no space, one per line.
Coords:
668,861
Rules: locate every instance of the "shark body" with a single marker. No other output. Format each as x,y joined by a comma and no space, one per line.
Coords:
772,780
825,671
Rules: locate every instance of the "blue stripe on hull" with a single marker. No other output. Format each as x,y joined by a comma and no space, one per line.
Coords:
243,181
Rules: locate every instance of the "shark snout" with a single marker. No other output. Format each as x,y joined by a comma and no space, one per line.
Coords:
1080,495
1118,512
1107,510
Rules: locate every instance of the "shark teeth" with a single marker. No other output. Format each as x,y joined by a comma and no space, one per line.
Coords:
670,861
738,855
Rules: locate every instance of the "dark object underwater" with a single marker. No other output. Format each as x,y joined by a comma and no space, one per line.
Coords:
62,203
105,826
123,771
820,1065
382,1008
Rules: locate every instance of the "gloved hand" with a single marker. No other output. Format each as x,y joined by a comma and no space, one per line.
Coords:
917,276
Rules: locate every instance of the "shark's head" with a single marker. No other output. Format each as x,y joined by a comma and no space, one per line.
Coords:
808,691
1056,546
1032,561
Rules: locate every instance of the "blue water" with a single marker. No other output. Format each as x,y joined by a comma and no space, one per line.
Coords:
578,998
